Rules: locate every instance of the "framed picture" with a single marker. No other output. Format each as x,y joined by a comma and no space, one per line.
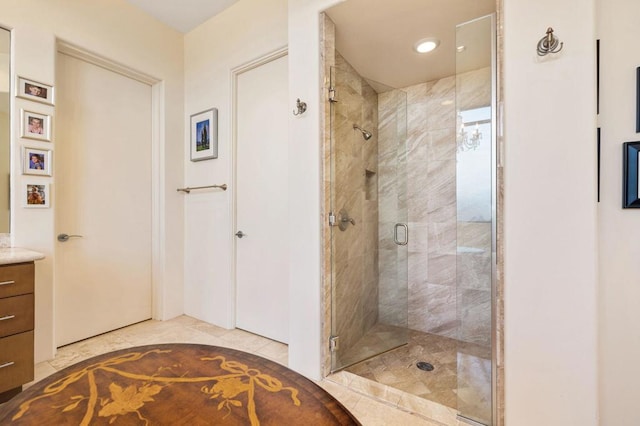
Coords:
35,126
36,195
204,135
638,100
630,183
36,161
34,91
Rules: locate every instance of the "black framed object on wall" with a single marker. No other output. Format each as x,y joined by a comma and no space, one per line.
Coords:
638,100
630,196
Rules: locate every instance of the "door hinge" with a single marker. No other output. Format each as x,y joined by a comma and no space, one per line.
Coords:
334,343
332,95
332,219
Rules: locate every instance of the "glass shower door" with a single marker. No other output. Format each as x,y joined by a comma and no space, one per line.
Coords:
369,234
476,198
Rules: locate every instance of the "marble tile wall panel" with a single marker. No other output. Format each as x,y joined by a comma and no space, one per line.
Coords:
474,239
392,306
355,250
327,52
474,311
430,202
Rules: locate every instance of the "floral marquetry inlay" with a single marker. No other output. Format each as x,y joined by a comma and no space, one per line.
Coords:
175,384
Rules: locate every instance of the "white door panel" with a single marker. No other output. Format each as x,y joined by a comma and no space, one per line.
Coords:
262,255
102,192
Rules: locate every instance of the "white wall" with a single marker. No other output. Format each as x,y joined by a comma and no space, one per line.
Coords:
550,216
619,294
244,32
116,30
305,348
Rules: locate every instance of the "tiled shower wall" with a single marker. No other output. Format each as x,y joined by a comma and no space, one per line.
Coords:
434,294
354,189
474,283
392,206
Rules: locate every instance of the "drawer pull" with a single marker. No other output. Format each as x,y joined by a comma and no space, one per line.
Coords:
7,282
7,317
7,364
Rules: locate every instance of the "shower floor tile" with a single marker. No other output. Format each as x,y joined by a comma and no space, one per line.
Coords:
461,378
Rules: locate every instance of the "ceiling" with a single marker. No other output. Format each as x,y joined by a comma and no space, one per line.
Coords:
377,38
182,15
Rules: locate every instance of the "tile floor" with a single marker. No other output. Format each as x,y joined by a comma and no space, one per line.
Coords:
369,410
460,380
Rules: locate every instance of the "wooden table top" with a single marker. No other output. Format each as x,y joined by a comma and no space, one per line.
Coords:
175,384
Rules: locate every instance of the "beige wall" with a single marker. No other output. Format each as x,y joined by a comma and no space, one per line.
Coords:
550,242
619,291
242,33
115,30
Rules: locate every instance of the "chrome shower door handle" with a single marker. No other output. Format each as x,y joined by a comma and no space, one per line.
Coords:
406,234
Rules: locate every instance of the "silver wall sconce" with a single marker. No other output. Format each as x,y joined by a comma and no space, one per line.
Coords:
549,44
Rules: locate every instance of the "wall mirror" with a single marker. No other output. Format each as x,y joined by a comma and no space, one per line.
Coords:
5,125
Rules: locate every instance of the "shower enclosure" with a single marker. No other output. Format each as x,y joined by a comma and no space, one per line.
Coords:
412,202
369,238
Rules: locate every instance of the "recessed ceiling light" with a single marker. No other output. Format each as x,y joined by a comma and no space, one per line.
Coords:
461,48
426,45
446,102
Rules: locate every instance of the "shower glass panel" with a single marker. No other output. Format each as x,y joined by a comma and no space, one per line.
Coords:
368,203
475,186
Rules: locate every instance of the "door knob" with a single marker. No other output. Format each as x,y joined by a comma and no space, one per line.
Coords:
63,238
240,234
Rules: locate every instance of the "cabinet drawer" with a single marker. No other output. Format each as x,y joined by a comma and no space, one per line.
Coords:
16,314
16,279
16,360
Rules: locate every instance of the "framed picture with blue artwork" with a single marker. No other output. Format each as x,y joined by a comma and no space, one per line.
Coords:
204,135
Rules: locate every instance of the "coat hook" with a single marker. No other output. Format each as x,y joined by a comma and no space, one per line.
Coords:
549,44
301,107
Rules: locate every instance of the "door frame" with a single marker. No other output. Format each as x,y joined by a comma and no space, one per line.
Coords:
157,248
235,73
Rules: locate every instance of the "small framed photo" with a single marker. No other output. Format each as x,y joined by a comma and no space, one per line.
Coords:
35,126
204,135
34,91
631,177
36,161
36,195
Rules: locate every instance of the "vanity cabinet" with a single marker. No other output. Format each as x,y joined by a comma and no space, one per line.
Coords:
16,327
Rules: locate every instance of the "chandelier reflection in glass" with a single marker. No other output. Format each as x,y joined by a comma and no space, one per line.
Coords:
466,141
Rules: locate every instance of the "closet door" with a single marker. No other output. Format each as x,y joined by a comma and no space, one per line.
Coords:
103,195
262,206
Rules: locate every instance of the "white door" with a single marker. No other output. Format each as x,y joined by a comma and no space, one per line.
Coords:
103,193
262,206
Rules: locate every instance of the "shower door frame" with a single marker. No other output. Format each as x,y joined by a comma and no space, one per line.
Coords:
395,317
496,343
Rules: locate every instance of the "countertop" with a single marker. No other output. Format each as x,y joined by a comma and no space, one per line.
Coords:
9,255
